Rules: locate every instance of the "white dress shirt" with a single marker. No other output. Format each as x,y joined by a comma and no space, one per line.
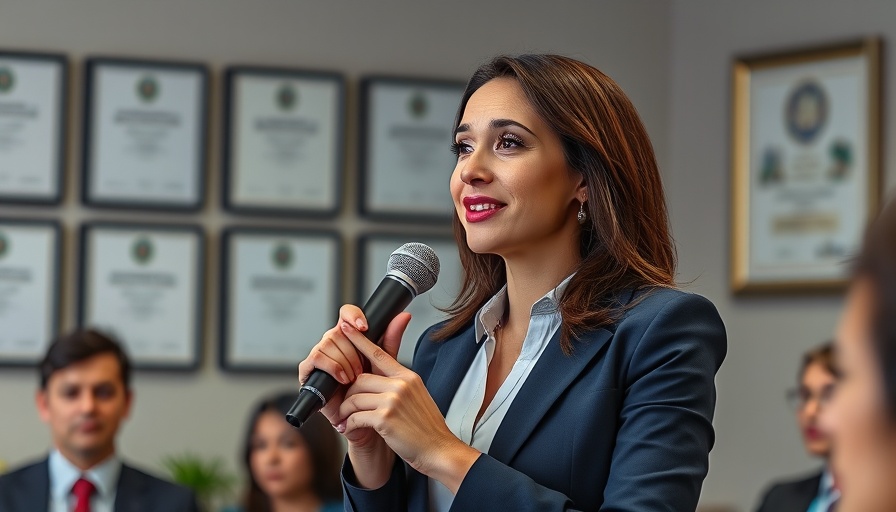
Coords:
544,320
64,474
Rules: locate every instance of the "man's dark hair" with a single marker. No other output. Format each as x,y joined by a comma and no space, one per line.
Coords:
823,355
77,346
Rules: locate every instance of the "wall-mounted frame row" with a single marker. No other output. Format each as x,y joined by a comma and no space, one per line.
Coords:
280,290
145,137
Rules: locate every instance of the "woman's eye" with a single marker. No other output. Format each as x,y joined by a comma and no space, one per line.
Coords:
509,142
460,148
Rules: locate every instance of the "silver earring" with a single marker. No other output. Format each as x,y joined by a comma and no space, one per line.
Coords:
581,216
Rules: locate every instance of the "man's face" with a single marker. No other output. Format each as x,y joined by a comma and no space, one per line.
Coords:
84,404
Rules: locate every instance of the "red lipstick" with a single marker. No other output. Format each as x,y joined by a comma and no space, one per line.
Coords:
480,208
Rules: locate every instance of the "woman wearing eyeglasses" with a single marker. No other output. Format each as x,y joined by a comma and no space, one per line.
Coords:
816,492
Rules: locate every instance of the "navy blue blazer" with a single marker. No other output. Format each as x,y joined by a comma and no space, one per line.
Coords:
792,495
28,490
624,423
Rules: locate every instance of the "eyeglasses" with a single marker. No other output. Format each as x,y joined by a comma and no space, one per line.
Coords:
799,398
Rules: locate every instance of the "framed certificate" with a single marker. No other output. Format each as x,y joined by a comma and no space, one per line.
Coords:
281,292
144,285
29,289
284,141
374,251
145,126
33,110
405,158
805,165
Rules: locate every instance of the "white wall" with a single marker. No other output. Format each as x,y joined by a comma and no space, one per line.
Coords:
204,411
757,436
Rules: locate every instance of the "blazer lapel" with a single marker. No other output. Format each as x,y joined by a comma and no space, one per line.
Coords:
550,377
454,358
34,489
130,488
452,361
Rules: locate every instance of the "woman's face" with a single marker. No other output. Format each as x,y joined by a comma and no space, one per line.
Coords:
279,460
815,392
512,188
864,438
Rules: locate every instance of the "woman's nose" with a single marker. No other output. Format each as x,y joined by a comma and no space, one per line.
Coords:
272,455
476,167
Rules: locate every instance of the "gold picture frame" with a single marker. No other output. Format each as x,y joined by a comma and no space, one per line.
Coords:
805,165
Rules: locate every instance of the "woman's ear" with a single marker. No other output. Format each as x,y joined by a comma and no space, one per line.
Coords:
582,192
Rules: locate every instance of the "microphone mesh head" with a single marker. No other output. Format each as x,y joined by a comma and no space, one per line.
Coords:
418,262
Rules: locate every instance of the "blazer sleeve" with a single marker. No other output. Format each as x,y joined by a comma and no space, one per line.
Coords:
665,433
389,497
665,421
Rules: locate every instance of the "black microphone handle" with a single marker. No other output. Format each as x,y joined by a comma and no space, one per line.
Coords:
389,299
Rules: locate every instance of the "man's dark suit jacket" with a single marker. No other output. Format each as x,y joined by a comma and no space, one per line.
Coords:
624,423
28,490
791,496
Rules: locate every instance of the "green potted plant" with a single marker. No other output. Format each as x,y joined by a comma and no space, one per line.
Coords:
207,476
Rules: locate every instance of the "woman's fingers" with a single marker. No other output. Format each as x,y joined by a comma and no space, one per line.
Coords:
382,358
399,409
371,393
354,316
325,356
343,350
334,354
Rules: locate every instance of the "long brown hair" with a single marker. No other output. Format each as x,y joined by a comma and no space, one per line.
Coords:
323,445
625,242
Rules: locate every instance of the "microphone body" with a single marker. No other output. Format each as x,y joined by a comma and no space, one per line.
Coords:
390,298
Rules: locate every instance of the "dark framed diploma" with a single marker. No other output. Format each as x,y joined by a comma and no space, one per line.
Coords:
144,285
373,257
284,141
33,108
405,140
145,134
805,165
281,291
29,289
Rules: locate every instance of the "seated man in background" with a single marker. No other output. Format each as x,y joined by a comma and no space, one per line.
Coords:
815,493
84,396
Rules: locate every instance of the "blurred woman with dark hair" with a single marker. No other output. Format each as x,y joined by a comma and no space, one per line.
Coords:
862,416
290,470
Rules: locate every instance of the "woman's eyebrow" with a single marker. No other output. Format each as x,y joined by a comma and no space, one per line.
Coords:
495,123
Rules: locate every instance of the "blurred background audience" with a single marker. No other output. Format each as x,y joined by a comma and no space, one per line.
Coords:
815,386
289,469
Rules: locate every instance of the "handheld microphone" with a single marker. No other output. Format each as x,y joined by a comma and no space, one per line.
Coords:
412,269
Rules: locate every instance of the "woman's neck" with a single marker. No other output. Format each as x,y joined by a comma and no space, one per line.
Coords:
529,282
